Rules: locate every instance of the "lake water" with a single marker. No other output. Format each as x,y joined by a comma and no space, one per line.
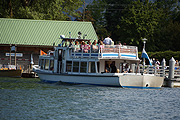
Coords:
30,99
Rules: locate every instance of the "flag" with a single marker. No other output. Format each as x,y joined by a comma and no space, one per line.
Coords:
42,53
145,55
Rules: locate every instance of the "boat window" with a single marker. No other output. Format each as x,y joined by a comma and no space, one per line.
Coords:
83,67
75,66
42,63
52,65
92,68
60,55
98,64
68,66
46,64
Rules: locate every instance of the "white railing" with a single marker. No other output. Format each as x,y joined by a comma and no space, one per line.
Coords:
159,70
99,50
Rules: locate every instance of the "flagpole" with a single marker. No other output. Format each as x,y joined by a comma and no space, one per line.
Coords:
144,41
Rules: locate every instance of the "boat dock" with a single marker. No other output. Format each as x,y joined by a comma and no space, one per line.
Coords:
170,73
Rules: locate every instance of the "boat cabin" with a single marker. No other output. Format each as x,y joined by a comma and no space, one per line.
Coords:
87,58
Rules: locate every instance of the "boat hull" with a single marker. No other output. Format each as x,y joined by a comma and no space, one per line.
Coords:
10,73
125,81
141,81
80,79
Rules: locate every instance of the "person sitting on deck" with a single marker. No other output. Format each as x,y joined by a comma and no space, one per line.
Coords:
107,68
84,47
127,69
113,67
89,46
94,47
77,46
101,46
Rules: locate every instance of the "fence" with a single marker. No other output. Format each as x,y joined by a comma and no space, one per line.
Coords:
170,71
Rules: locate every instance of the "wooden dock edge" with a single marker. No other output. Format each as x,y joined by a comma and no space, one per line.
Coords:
174,82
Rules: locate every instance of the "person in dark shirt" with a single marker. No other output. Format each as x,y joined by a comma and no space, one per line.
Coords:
113,67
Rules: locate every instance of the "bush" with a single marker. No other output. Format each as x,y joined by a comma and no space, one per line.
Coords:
165,54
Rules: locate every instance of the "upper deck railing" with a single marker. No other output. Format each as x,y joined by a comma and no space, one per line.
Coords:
105,51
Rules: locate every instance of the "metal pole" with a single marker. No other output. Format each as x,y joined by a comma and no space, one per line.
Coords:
15,55
144,41
10,55
144,59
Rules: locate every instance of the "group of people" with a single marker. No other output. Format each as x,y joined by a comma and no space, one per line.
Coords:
81,45
111,68
86,46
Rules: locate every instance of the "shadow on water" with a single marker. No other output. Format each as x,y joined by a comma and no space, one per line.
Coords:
34,83
24,83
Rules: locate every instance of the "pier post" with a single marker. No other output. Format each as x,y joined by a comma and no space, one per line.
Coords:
171,68
171,72
163,63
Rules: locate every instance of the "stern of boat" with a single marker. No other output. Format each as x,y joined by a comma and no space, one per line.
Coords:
141,81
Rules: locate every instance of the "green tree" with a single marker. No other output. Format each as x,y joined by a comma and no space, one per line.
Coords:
170,37
97,9
40,9
113,16
168,31
140,21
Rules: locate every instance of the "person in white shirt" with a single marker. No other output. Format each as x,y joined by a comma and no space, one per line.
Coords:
108,41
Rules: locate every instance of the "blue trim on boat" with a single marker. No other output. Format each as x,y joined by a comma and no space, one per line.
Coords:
94,54
116,55
141,87
125,55
47,81
137,87
85,54
77,54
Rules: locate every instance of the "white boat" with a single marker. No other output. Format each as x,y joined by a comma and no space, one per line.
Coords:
74,65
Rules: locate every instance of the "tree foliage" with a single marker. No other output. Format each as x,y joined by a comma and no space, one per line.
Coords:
125,20
40,9
97,8
141,21
130,21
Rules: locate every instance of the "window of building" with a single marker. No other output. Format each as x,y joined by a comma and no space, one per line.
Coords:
83,67
68,66
75,66
46,64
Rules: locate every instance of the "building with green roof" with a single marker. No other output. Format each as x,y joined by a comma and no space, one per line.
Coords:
42,32
31,36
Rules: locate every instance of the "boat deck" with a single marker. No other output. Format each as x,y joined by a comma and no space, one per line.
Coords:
105,51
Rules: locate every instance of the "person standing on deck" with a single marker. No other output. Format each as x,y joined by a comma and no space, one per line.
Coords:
108,41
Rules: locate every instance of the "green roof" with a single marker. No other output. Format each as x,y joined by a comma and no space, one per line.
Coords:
41,32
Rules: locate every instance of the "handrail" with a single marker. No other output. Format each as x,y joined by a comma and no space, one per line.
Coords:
159,70
103,49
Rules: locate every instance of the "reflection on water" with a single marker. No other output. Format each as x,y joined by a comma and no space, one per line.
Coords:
27,99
